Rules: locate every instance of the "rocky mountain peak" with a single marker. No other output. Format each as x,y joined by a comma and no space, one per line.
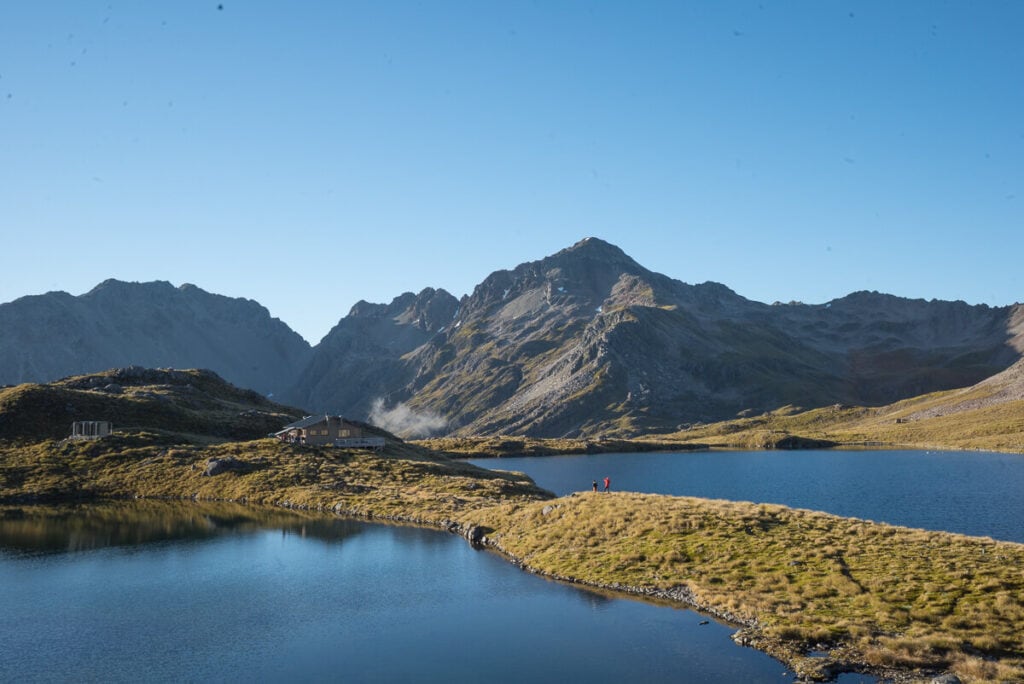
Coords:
120,289
365,309
429,310
583,275
592,254
596,248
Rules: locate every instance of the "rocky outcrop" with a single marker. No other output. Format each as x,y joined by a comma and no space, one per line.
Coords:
216,466
362,358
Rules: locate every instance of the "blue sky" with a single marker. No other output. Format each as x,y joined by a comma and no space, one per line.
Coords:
311,154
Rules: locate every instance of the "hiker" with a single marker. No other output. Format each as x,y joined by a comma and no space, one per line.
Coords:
595,485
607,483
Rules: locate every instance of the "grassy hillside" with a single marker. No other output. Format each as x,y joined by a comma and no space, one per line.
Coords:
854,592
171,424
918,423
403,482
510,446
987,416
185,405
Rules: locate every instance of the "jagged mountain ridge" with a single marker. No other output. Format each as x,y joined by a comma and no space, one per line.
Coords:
117,324
588,342
583,342
362,358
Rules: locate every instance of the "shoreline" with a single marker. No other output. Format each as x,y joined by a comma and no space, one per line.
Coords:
793,582
468,455
749,630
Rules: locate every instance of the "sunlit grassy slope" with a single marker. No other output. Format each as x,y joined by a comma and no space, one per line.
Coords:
910,423
980,417
403,482
875,594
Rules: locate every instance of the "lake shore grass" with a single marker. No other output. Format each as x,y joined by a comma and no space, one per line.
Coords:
403,482
515,446
824,594
869,597
920,423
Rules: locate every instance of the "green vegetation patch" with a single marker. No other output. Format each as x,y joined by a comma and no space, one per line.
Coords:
925,422
871,594
512,446
403,482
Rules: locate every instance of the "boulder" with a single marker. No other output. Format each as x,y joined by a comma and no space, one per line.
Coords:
946,679
476,534
216,466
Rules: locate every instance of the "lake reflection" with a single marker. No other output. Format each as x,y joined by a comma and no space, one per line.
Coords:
147,591
976,493
85,527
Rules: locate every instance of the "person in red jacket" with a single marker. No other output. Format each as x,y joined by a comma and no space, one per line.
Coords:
607,483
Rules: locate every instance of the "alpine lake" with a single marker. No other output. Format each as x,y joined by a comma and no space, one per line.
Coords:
180,591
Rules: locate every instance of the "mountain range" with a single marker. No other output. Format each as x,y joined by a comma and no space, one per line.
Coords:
585,342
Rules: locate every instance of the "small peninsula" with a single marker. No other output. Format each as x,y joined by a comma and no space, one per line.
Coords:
822,593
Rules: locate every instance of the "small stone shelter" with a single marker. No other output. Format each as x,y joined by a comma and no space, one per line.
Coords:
91,429
325,430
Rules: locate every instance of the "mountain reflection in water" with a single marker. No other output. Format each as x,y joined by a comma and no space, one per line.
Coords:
160,591
85,527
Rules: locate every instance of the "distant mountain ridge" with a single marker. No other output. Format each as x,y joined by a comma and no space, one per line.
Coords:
118,324
585,342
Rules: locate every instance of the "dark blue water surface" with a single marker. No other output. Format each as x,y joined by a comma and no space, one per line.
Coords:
174,594
976,493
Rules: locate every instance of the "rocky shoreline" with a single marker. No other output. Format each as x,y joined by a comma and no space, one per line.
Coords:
803,667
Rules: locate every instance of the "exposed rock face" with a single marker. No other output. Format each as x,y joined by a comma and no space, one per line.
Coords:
589,342
584,342
116,324
361,358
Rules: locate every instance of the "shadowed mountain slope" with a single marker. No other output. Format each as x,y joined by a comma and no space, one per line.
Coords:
116,324
362,358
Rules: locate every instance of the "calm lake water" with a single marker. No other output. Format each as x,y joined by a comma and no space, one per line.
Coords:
146,591
972,493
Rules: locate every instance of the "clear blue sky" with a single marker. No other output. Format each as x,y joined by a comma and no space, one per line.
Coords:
312,154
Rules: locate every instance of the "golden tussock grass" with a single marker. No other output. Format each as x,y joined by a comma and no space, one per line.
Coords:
899,597
404,482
